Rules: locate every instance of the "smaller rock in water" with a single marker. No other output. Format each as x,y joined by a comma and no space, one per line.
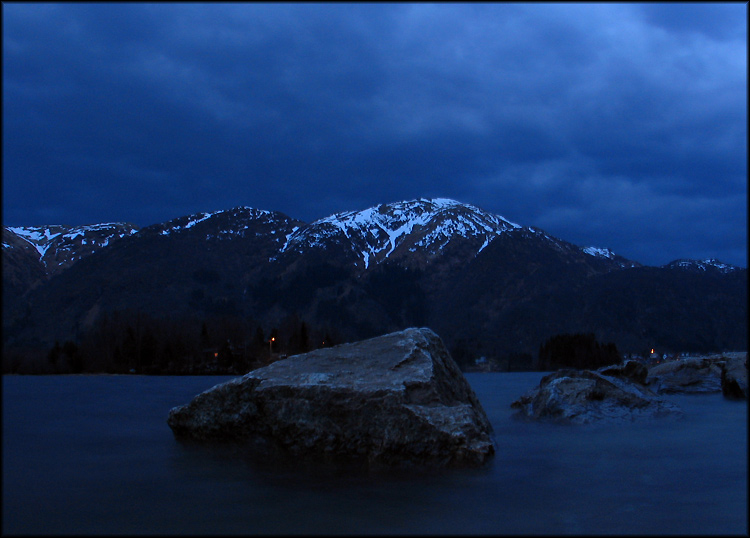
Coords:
734,378
393,400
610,394
692,375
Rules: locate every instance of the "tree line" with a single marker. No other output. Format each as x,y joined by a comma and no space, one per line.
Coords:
134,342
579,350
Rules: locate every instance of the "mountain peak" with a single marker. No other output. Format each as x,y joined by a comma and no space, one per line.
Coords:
227,223
386,230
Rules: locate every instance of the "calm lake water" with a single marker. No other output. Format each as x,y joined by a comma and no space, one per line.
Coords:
94,455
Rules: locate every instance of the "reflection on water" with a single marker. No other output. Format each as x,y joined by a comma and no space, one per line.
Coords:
93,454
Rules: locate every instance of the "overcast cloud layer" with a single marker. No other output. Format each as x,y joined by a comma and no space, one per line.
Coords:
621,126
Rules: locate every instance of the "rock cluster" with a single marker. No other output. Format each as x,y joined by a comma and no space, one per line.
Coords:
610,394
397,399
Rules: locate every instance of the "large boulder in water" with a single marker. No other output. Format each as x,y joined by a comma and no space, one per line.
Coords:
691,375
585,397
397,399
734,378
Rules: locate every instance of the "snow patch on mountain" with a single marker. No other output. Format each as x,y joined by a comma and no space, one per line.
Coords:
40,237
599,252
191,221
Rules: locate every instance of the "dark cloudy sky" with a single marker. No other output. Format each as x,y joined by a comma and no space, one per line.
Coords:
615,125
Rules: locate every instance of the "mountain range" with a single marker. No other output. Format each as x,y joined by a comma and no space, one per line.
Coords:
486,285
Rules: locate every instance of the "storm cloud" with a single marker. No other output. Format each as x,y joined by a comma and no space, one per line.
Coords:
616,125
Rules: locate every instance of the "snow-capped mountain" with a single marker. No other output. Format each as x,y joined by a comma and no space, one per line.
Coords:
60,246
418,230
424,226
710,264
411,232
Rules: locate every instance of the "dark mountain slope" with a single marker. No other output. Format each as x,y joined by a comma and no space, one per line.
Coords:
517,293
668,308
487,286
23,270
518,290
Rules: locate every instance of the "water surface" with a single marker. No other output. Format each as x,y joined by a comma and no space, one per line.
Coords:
94,455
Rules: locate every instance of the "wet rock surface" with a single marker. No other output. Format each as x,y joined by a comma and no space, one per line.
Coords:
394,400
691,375
734,378
629,370
610,394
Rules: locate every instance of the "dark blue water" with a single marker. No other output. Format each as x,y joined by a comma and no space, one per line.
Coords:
93,454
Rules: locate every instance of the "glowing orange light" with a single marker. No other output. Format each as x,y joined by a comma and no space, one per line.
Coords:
652,350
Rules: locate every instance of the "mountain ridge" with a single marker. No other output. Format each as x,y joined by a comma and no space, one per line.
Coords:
59,246
54,238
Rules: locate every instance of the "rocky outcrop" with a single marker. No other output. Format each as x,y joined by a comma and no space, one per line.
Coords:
734,378
397,399
610,394
691,375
